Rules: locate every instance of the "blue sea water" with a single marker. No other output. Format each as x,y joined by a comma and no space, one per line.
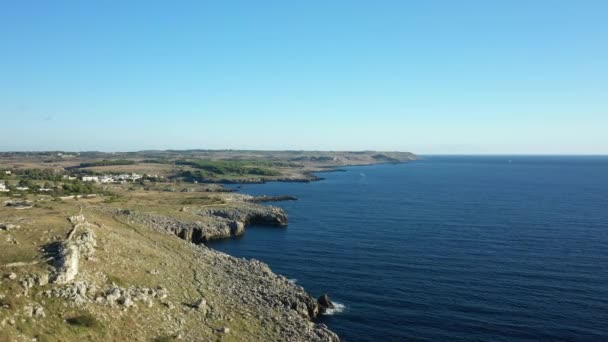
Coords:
504,248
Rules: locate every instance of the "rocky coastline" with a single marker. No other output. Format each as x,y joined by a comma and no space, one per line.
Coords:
133,264
208,223
81,273
228,221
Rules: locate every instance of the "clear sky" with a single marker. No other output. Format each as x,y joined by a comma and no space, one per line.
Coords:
423,76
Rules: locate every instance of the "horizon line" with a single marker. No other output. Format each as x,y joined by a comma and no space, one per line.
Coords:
310,150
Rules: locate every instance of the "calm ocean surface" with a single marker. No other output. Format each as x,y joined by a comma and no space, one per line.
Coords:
449,248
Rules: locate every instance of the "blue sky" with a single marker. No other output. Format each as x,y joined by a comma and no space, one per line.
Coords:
424,76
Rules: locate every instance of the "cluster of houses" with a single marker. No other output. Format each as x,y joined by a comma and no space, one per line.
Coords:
3,188
123,178
117,179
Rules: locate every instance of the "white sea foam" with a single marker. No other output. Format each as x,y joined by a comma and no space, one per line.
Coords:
337,309
292,280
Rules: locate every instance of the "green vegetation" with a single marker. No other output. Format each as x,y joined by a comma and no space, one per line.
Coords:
35,174
115,198
26,182
8,303
116,280
85,320
77,187
157,161
215,168
384,157
107,162
54,189
205,200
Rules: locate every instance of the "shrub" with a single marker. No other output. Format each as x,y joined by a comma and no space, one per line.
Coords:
106,162
85,320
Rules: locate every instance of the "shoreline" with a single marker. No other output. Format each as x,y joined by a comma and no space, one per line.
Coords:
124,241
311,174
337,307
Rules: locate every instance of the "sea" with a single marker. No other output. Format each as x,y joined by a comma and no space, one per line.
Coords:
448,248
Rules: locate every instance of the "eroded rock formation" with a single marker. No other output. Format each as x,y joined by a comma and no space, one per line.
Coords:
213,223
80,241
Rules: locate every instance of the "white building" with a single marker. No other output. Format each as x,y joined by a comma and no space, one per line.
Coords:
90,179
127,177
3,188
106,179
22,188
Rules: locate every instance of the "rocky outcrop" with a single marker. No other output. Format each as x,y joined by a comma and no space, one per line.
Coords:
8,226
70,251
67,263
18,204
34,310
269,298
80,293
75,293
261,199
325,303
253,284
116,295
214,223
28,281
246,214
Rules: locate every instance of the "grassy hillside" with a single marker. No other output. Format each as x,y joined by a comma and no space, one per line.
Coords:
242,299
